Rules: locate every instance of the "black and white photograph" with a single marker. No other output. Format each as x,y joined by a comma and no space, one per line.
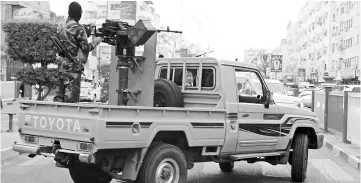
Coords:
180,91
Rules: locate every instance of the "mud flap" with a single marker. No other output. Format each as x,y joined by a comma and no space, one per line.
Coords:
133,163
284,158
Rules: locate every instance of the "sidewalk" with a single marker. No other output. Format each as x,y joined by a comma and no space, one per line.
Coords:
348,152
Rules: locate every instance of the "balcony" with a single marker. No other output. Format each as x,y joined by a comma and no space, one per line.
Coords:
20,4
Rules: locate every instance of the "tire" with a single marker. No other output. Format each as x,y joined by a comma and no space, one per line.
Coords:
86,173
299,158
167,94
226,167
170,157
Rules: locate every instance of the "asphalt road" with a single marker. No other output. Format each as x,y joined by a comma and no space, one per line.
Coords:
323,167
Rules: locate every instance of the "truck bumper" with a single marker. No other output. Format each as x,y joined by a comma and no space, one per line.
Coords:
37,150
26,148
320,138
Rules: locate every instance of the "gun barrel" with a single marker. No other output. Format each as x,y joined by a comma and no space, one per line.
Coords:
179,32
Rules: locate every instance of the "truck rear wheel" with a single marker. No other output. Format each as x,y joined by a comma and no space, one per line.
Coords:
299,158
226,167
167,94
88,173
163,163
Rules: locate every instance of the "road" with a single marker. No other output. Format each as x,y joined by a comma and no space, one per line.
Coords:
324,167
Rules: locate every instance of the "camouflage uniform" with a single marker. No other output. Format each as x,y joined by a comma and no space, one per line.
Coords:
73,36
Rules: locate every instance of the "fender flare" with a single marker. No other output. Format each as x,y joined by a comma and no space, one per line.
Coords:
302,124
183,128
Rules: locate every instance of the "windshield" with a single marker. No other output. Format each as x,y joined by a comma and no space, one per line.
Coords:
274,87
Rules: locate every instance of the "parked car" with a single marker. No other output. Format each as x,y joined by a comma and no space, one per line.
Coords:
306,97
90,91
352,88
292,89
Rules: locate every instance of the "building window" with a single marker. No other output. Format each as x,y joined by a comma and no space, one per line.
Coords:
351,20
341,26
342,8
351,42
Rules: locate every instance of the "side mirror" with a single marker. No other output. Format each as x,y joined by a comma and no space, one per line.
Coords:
269,98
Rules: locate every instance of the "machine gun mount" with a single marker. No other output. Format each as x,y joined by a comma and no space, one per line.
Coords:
125,38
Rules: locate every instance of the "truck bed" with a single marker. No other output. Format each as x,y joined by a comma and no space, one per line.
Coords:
110,126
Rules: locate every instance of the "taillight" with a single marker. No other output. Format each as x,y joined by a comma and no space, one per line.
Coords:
82,146
31,139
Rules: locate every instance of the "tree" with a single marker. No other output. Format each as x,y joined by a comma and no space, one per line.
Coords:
262,63
105,73
171,42
28,41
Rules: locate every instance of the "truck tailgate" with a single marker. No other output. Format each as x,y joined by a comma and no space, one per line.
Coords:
58,120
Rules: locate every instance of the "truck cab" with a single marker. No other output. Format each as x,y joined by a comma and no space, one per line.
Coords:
204,110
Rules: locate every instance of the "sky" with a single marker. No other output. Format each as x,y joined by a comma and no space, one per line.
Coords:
228,26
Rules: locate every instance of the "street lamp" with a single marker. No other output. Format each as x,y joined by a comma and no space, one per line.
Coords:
15,79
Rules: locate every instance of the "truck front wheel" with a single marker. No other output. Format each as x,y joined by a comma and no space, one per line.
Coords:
88,173
226,167
299,158
163,163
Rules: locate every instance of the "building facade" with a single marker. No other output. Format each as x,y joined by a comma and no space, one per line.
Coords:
324,42
345,40
250,55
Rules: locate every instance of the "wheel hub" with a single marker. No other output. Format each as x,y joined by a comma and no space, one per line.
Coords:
166,174
167,171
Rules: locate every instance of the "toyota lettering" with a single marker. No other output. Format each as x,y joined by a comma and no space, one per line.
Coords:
53,123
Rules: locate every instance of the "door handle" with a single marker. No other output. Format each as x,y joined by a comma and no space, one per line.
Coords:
245,115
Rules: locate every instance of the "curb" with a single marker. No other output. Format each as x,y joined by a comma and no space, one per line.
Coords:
350,159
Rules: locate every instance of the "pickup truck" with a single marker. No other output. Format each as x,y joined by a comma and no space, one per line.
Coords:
199,115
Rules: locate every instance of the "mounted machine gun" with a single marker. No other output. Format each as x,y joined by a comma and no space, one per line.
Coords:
125,38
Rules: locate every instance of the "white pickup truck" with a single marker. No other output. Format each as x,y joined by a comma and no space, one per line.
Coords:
200,116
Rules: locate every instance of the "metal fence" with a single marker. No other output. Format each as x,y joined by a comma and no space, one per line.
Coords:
335,113
353,118
339,113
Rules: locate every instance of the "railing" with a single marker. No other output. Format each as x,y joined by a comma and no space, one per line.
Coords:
339,113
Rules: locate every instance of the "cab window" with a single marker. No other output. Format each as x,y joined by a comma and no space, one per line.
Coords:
248,90
176,75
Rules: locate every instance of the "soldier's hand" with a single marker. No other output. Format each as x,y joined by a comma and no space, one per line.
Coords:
97,40
92,28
